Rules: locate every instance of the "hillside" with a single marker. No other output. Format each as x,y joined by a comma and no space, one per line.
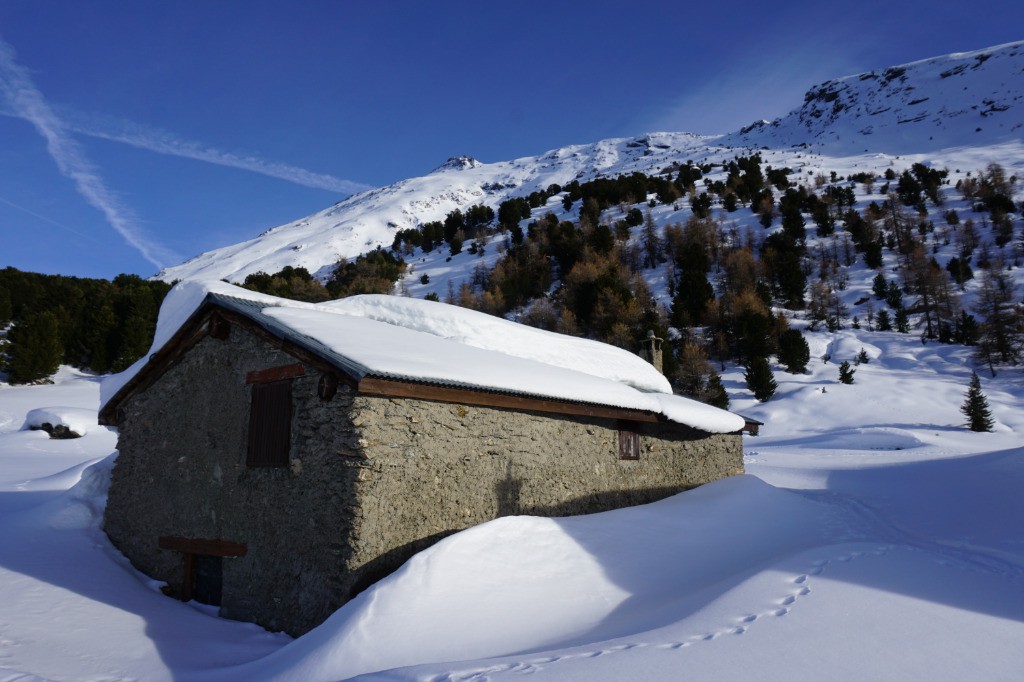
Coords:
960,111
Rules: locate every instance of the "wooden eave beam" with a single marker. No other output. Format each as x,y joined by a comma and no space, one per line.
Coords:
406,389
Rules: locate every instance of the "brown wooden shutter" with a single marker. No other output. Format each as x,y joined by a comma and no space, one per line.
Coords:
629,444
270,421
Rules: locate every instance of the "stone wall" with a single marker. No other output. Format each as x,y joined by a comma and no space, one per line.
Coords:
433,468
181,472
372,480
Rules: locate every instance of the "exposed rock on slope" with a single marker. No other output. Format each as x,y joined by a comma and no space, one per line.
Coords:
962,99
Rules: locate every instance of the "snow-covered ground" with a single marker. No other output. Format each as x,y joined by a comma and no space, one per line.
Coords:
873,537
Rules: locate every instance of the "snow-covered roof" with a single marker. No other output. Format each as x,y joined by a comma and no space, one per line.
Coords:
407,339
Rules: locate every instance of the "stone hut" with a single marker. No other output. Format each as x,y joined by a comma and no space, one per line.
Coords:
276,458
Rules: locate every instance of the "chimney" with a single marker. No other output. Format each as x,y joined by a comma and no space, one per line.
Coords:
650,350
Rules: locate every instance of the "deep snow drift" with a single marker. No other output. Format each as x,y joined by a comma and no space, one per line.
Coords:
873,537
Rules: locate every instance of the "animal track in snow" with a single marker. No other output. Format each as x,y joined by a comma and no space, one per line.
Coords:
740,626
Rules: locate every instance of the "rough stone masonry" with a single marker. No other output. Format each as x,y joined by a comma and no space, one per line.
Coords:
370,479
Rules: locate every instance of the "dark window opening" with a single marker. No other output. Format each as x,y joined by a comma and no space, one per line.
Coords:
270,424
629,444
208,579
202,576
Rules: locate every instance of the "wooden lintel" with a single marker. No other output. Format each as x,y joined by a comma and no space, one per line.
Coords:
208,547
445,394
265,376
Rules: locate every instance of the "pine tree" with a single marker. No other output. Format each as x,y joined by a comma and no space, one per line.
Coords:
975,407
902,321
884,324
879,286
35,349
794,352
6,309
759,379
715,392
846,373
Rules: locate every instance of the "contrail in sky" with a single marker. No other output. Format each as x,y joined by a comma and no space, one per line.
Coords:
28,103
163,142
45,219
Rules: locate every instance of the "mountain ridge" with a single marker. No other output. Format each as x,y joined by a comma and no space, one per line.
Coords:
880,101
863,120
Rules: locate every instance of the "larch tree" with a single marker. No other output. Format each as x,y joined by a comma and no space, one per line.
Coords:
1001,332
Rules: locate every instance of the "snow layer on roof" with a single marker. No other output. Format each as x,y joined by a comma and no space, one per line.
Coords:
440,343
697,414
406,353
481,330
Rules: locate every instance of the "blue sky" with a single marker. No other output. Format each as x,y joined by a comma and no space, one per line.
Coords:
136,135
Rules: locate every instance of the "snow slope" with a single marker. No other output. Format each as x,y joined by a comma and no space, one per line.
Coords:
966,99
370,219
873,537
944,111
71,607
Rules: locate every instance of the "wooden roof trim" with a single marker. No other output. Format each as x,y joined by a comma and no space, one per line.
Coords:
189,334
199,325
447,394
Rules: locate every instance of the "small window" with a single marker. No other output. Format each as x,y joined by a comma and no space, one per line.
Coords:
208,579
202,576
270,424
629,444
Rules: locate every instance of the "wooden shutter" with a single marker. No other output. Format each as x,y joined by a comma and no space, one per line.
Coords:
629,444
270,422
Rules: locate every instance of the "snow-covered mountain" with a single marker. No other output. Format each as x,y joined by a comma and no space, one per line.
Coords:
965,99
370,219
961,109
